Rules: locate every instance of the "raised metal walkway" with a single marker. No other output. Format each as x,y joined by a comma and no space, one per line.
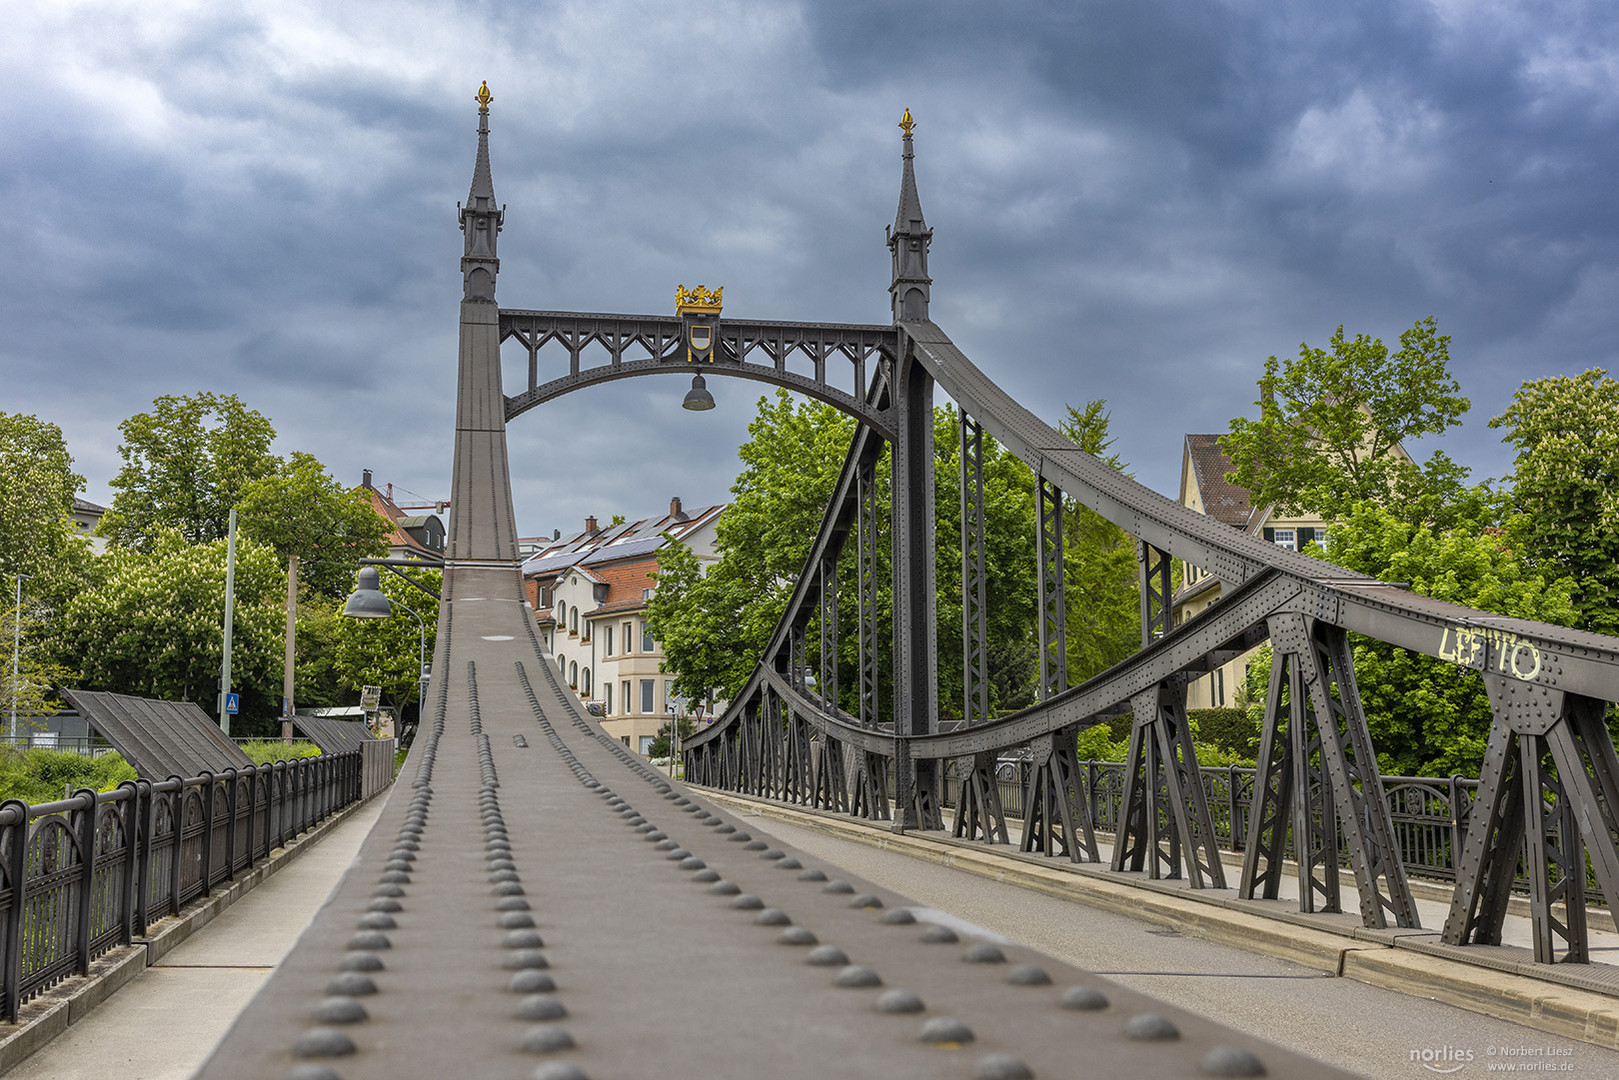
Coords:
536,901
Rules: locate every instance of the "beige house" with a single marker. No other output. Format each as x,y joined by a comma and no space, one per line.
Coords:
589,592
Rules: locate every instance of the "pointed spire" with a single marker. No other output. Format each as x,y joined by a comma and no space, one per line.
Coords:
909,240
481,221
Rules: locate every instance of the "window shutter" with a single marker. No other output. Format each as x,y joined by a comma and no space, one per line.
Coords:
1270,536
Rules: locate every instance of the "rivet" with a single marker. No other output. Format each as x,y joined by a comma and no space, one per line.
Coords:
754,845
311,1071
518,959
826,956
531,981
747,902
360,961
1028,975
523,939
724,828
369,939
772,917
540,1007
503,876
515,920
1230,1061
1000,1067
839,887
796,935
944,1030
1150,1027
692,862
323,1042
773,855
725,888
899,1001
384,903
897,917
558,1070
351,984
705,875
656,835
507,888
394,877
866,900
939,935
512,903
983,953
812,874
378,921
857,977
546,1039
339,1010
789,864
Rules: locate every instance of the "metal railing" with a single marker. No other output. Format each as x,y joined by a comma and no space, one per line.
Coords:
87,873
1430,814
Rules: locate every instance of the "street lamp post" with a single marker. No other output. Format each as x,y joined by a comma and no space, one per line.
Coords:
368,601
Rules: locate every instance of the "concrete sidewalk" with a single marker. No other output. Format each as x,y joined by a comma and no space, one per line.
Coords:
163,1023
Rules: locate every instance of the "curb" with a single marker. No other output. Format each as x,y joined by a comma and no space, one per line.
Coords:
1368,956
71,1000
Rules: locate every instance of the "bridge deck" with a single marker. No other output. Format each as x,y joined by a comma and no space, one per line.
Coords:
650,968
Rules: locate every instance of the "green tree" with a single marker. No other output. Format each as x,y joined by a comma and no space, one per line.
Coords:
152,624
660,745
186,465
1332,421
1566,482
37,487
1428,716
385,652
1099,563
301,509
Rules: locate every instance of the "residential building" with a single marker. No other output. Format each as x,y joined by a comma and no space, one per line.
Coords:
86,516
590,591
1204,488
415,534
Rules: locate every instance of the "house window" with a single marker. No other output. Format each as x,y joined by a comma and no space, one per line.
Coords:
586,689
607,699
648,688
562,613
625,700
1284,538
628,636
646,637
607,641
573,674
646,744
562,665
646,594
573,621
625,739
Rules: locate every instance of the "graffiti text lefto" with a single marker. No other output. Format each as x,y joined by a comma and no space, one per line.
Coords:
1488,649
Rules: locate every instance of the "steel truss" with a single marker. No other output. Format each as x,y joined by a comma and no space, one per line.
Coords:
1546,817
979,813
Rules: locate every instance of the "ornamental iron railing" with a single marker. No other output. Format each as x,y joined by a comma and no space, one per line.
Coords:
90,872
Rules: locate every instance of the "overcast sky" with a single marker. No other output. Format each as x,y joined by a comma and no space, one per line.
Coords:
1133,201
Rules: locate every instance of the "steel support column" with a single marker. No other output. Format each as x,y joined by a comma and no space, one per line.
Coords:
979,812
1053,628
916,782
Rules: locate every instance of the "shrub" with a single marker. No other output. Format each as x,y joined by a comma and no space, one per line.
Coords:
37,775
266,751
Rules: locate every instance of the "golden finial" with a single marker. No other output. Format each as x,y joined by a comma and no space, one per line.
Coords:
485,97
906,123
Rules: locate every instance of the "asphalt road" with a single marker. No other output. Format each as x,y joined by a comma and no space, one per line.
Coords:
1362,1028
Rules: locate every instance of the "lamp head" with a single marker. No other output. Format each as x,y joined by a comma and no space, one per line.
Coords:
368,600
698,399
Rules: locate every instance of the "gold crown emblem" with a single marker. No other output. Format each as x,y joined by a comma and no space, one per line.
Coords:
484,97
906,123
698,299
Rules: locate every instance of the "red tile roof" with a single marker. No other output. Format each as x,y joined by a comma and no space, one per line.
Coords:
1222,500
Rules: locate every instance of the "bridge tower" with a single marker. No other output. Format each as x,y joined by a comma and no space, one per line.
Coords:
916,663
483,527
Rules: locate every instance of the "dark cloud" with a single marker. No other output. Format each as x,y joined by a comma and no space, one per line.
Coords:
1132,201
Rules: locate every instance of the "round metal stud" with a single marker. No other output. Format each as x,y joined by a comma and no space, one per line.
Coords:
897,917
523,939
1150,1027
311,1071
772,855
507,888
747,902
740,838
385,903
983,953
1028,975
755,845
866,900
323,1042
351,984
857,977
394,877
796,935
512,903
515,920
656,835
772,917
838,887
378,921
531,981
540,1007
518,959
370,939
826,956
899,1001
1000,1067
360,961
546,1039
692,862
788,864
339,1010
705,875
722,827
725,888
944,1031
812,874
558,1070
1230,1061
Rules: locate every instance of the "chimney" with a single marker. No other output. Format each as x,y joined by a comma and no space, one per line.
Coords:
556,534
365,479
591,526
674,509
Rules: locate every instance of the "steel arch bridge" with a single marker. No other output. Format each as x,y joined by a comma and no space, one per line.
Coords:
499,913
